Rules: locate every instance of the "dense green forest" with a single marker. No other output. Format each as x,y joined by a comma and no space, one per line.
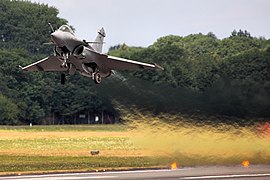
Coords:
203,75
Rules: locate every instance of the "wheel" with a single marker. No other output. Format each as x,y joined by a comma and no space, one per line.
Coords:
63,78
97,78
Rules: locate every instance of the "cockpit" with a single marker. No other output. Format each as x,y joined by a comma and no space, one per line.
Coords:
66,28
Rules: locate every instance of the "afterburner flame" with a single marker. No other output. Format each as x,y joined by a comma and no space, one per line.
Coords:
174,165
245,163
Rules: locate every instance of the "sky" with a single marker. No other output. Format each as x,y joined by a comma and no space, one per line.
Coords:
142,22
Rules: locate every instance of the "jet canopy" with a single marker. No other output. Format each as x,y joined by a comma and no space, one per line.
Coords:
66,28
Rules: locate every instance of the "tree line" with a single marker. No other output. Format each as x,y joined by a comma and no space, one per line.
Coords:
203,75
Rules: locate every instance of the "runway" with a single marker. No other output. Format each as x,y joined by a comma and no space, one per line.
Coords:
255,172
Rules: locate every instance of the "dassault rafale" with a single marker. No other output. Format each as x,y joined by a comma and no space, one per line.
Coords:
73,55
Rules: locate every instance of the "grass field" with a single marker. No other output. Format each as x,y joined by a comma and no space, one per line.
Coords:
144,144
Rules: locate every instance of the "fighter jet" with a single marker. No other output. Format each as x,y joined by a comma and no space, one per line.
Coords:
73,55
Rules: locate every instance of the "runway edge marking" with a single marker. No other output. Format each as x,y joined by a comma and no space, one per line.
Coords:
226,176
92,173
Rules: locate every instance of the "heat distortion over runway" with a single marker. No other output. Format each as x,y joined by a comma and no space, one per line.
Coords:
254,172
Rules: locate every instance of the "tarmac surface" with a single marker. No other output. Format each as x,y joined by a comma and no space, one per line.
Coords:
253,172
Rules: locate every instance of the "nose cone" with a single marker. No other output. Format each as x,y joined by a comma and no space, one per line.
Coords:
57,38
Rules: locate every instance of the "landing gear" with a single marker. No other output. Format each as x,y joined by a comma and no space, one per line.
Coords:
97,78
90,70
63,78
64,64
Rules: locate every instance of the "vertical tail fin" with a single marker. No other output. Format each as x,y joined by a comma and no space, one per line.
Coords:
99,40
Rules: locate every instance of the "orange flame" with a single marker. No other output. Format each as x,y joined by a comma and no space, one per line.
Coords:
174,165
245,163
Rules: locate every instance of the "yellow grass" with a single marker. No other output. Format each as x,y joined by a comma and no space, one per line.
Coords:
145,142
212,143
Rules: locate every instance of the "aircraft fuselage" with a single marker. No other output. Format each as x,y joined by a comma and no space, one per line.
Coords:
66,40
